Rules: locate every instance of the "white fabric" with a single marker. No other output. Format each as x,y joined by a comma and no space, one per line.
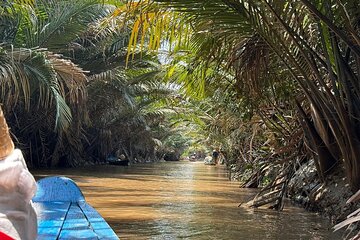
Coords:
17,187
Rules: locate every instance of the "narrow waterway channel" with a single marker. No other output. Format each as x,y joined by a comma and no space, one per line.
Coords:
186,200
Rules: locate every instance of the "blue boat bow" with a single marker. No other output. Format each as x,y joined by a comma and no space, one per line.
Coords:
63,212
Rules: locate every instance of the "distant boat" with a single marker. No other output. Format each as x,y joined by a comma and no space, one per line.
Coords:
209,161
192,159
117,161
63,212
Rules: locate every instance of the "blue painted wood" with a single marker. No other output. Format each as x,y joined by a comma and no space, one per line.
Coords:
101,227
87,234
57,189
75,219
51,217
63,213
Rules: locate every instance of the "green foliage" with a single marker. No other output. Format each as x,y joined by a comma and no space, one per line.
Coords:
223,74
267,53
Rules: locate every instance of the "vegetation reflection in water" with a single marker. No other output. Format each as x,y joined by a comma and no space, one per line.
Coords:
184,200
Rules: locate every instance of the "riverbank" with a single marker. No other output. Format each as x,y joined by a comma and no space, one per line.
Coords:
328,198
306,190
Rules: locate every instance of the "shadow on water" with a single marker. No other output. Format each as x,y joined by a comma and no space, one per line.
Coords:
185,200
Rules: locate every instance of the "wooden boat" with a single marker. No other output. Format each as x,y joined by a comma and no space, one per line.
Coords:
117,161
209,161
192,159
63,212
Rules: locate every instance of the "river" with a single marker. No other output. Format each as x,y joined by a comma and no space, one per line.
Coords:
186,200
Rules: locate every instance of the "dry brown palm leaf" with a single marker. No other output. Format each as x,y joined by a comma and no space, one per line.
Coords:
354,198
346,222
73,76
250,60
351,218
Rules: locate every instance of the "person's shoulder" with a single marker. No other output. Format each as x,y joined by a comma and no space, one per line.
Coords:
14,158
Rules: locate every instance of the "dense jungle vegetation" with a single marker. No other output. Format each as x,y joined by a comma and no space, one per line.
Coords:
273,84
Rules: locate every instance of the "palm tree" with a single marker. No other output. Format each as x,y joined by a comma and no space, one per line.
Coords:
312,45
71,72
126,108
36,76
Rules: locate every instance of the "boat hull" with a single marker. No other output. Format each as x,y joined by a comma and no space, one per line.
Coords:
119,162
63,212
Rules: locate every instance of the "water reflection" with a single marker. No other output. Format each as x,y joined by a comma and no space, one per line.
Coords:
186,200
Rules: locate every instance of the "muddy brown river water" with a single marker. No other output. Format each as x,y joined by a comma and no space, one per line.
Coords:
186,200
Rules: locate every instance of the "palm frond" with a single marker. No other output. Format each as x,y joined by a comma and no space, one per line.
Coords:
53,24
